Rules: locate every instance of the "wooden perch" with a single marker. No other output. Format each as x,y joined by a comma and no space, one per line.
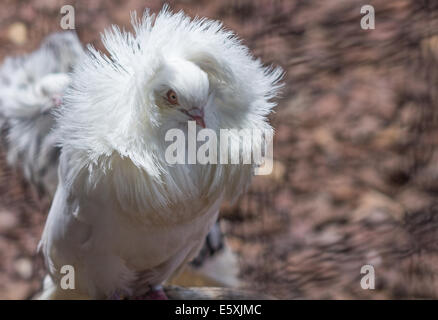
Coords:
212,293
192,293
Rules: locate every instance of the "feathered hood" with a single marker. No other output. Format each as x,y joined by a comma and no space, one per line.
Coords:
109,117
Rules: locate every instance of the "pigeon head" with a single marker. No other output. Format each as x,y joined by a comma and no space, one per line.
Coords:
181,90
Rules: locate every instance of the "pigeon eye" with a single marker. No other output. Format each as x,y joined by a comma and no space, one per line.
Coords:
172,97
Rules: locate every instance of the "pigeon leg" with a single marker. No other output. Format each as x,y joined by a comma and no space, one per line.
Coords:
155,293
117,295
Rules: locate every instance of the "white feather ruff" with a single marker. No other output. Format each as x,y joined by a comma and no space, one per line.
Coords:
108,122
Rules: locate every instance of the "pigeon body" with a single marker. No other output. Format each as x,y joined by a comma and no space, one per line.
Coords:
122,216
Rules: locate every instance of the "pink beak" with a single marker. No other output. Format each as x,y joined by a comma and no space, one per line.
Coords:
57,100
197,115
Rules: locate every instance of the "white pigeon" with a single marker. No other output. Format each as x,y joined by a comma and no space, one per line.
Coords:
122,217
30,86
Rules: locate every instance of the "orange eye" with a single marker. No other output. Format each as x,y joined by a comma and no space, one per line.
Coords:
171,97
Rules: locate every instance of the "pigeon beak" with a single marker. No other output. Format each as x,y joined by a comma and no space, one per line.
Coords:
197,115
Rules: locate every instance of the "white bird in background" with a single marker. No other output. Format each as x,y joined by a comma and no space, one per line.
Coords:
30,86
123,217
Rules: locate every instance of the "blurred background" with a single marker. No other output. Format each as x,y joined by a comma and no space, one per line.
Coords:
355,176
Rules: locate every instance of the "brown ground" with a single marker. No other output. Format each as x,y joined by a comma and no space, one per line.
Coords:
356,171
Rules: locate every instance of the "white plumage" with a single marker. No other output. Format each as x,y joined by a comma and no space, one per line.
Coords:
123,217
30,86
